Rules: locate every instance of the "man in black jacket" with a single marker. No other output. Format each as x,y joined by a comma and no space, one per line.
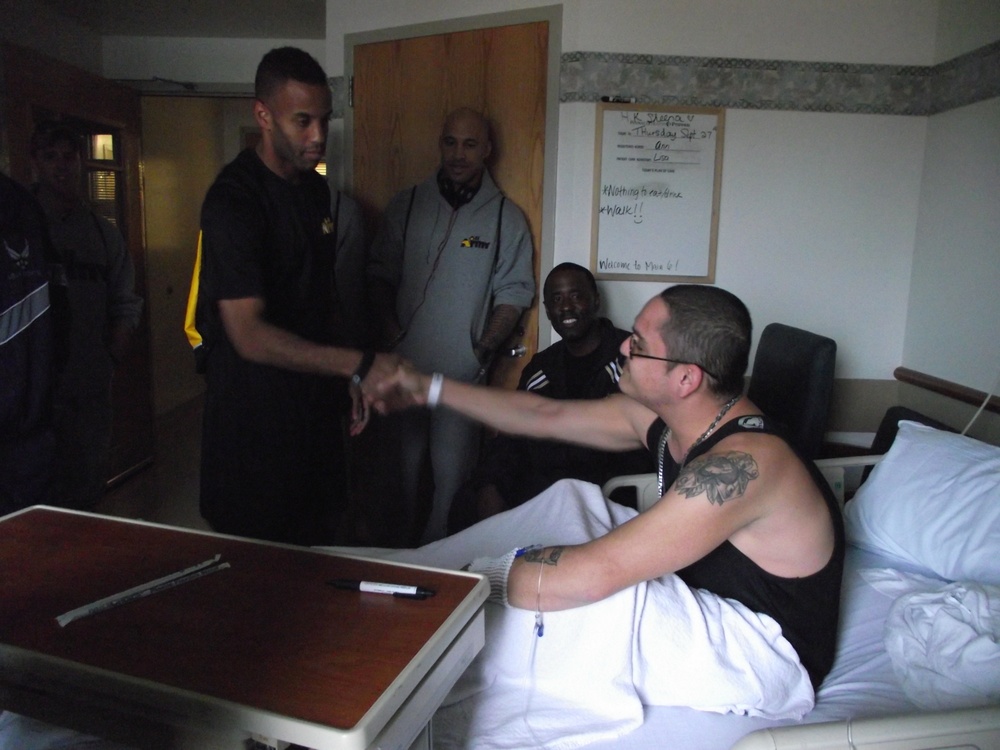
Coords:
583,365
28,350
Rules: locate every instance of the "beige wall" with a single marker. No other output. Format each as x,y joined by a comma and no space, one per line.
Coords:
182,144
858,405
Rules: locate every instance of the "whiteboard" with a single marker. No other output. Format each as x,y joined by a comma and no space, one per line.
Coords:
658,174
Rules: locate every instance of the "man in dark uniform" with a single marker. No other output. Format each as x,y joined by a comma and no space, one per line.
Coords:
27,352
104,312
273,441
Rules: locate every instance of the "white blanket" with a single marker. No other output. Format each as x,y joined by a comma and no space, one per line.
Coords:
659,643
943,639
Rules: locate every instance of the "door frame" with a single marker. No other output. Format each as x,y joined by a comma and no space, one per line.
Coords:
550,13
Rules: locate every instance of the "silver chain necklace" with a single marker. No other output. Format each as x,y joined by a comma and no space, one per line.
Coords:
704,436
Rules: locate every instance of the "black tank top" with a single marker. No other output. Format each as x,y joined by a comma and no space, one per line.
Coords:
807,608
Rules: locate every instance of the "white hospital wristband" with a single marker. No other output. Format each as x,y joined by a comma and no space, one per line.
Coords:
434,391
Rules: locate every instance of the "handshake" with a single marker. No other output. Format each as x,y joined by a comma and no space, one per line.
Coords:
389,384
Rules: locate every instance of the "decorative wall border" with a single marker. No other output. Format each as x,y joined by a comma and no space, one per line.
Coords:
771,84
774,84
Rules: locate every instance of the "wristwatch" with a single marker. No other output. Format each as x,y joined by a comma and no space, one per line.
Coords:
365,365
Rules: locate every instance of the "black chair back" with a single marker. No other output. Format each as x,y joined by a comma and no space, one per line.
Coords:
792,382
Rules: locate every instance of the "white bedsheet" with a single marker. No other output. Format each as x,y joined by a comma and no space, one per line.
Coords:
943,638
659,643
862,682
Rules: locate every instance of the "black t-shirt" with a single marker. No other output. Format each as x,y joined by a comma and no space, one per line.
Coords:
266,237
808,608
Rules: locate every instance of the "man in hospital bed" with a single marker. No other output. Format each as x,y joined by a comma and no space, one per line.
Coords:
747,525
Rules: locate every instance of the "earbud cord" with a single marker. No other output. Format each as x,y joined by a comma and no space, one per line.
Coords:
982,406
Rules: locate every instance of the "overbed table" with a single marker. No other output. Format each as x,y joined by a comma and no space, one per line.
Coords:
264,649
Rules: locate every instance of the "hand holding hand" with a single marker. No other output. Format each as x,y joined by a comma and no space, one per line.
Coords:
384,366
406,387
360,413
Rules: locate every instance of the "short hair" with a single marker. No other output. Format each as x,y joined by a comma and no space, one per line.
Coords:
711,327
484,121
567,266
284,64
48,133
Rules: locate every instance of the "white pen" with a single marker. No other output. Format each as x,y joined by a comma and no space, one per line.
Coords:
391,589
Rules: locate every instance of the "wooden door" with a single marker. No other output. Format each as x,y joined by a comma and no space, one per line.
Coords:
38,87
404,88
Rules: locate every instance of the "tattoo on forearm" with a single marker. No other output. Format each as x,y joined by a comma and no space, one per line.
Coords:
546,555
502,320
718,477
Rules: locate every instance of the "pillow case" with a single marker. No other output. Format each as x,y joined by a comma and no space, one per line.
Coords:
933,501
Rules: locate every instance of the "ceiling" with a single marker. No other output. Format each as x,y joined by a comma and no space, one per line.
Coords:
274,19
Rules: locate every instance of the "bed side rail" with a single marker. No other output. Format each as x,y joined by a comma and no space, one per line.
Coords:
844,473
967,729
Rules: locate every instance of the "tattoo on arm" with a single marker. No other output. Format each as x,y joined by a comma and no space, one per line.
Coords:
545,555
718,477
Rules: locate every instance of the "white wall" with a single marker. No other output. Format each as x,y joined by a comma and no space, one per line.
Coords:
953,322
899,32
953,326
965,25
195,60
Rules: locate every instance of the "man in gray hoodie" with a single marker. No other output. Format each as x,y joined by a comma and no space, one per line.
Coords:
450,273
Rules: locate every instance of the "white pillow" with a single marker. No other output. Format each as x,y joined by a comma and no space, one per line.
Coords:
934,501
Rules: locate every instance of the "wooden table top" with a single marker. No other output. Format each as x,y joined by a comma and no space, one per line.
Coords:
268,632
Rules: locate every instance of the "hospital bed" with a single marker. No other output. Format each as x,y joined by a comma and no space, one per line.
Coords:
923,532
928,514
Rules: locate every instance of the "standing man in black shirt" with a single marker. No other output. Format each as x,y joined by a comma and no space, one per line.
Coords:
273,441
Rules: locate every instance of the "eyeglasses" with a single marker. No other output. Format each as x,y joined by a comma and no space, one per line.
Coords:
632,354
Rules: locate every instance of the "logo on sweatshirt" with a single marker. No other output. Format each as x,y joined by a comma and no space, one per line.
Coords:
474,241
20,257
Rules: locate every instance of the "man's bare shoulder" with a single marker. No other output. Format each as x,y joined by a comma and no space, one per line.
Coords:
757,469
780,500
719,475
